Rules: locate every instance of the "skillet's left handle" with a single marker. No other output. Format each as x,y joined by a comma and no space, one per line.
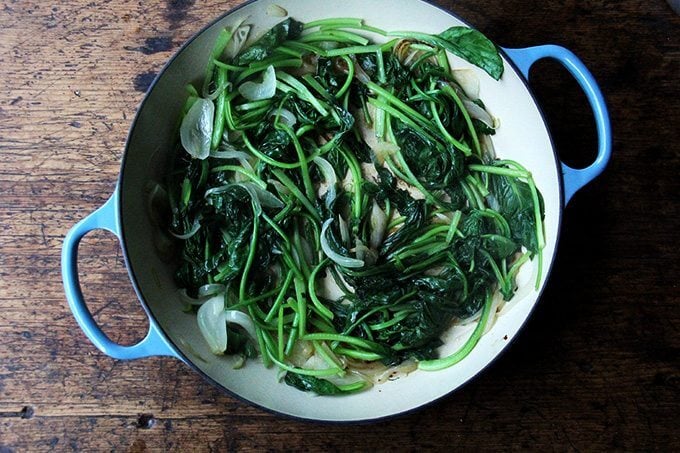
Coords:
574,179
105,218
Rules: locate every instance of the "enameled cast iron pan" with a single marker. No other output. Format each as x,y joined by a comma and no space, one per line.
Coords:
523,136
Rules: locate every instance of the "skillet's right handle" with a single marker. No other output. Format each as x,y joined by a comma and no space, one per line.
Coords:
574,179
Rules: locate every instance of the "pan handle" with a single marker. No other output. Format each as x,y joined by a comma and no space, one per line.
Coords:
574,179
106,218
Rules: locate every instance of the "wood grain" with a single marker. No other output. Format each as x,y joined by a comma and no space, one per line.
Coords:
596,367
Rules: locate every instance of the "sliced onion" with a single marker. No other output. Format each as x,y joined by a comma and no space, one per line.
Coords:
238,39
280,188
411,55
381,149
396,372
218,189
275,10
194,229
468,81
243,320
378,226
329,176
404,51
344,230
310,63
441,218
285,117
368,256
231,153
213,325
479,113
211,289
328,45
360,74
360,249
336,257
487,146
213,319
254,91
316,362
264,197
496,305
302,351
215,94
401,50
196,129
259,196
188,300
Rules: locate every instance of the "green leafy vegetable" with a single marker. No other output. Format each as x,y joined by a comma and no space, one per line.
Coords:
333,201
289,29
473,46
319,386
467,43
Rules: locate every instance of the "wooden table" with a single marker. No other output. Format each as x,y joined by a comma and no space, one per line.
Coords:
596,368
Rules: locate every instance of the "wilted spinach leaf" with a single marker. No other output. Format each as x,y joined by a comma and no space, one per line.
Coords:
473,46
264,47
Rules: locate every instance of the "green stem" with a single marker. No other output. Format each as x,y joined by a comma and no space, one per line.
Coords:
325,352
446,362
502,171
457,144
453,226
334,35
220,106
279,334
398,103
359,355
252,176
334,22
286,181
277,63
250,258
352,50
350,77
304,371
302,306
399,317
301,91
303,47
279,299
274,162
471,128
320,307
404,118
354,341
355,169
302,160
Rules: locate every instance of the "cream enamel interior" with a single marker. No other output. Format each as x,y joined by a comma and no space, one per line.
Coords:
522,136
